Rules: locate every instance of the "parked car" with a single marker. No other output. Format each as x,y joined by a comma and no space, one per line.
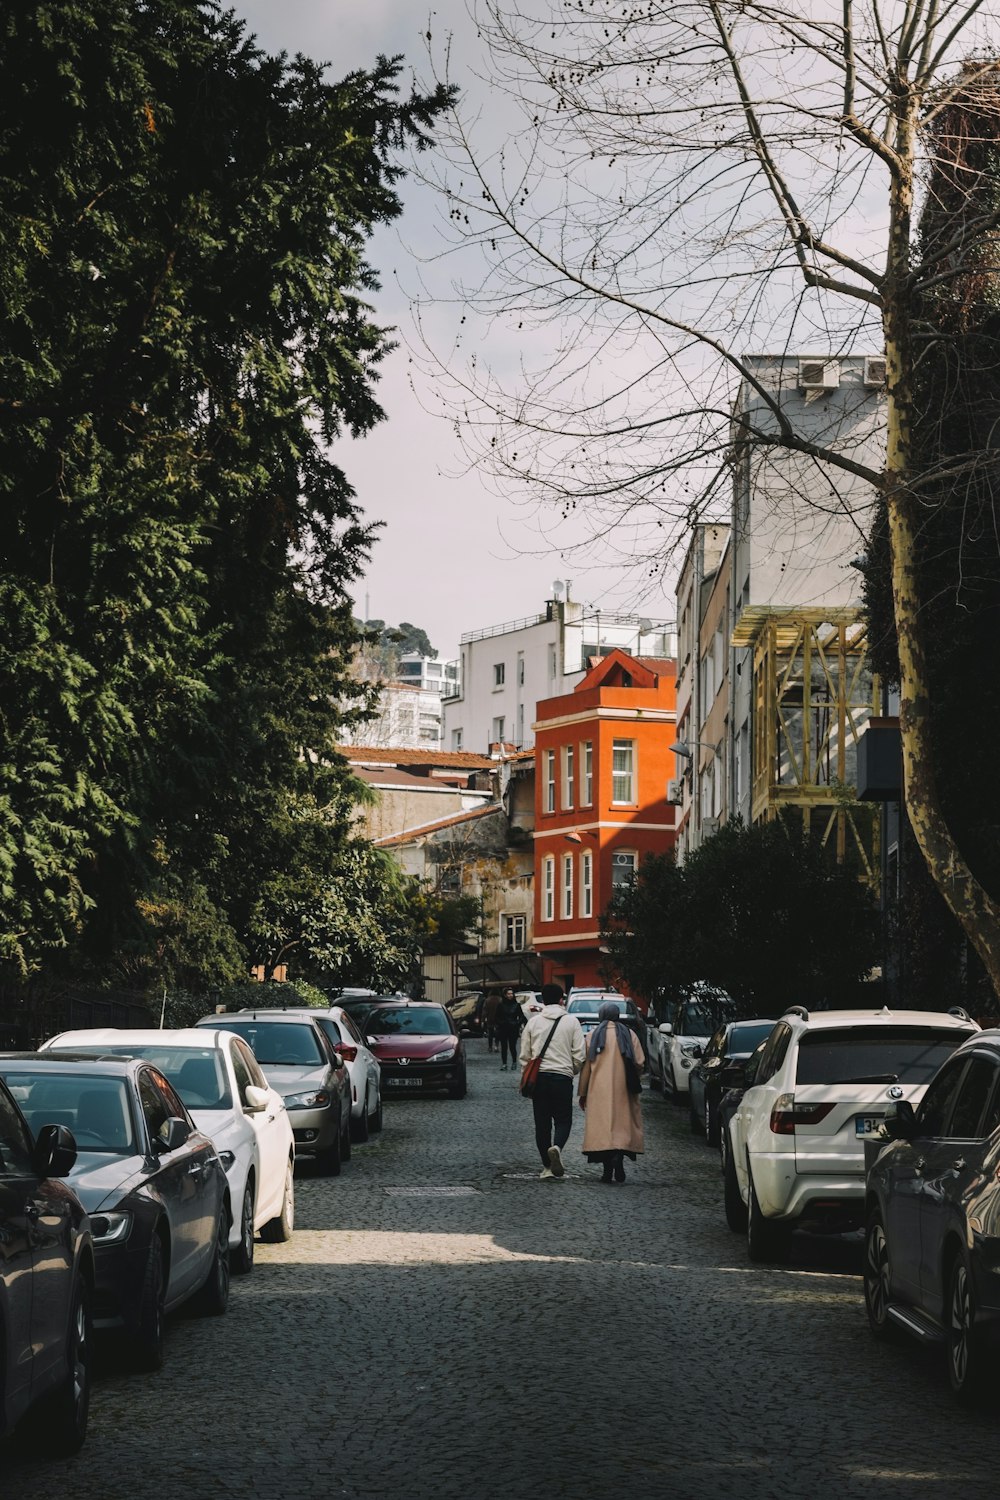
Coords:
932,1236
717,1070
151,1182
585,1005
229,1099
46,1283
677,1043
305,1070
467,1013
822,1087
363,1066
742,1078
418,1045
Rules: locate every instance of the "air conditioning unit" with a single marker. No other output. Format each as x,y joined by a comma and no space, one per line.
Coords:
710,826
675,792
819,374
875,372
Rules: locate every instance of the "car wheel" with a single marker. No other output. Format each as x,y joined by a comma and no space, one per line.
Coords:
375,1120
213,1298
736,1212
242,1256
328,1161
276,1231
345,1139
712,1135
877,1279
965,1348
149,1331
766,1240
61,1419
359,1126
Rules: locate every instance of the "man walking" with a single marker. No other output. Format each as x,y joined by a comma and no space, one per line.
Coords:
558,1039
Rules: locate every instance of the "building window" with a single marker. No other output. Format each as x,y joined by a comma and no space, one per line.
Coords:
586,773
520,726
456,739
623,771
623,864
586,884
499,673
513,932
520,669
567,776
550,781
567,886
548,888
499,726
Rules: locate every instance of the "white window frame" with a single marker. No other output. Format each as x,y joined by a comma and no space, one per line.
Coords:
617,854
550,781
618,746
587,773
566,905
499,674
586,883
566,755
548,905
499,729
513,932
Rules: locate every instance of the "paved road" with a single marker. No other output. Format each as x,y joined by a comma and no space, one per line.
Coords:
444,1326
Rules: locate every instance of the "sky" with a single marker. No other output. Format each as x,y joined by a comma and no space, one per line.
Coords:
454,554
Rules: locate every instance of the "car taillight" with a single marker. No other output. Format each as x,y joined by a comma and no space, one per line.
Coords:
346,1052
786,1114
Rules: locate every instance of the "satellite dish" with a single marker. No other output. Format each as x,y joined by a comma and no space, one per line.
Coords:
645,626
557,589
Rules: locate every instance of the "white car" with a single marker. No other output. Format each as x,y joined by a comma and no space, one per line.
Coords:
363,1067
221,1083
819,1089
682,1039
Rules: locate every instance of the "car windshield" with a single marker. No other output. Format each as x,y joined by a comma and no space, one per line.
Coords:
384,1021
278,1042
701,1017
744,1038
874,1054
95,1109
592,1004
195,1072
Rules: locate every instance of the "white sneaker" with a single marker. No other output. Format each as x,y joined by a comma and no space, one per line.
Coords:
556,1162
546,1173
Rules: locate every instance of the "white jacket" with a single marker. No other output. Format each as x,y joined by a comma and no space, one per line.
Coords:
566,1051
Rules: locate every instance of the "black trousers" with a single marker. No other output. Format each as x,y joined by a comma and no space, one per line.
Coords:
508,1037
552,1102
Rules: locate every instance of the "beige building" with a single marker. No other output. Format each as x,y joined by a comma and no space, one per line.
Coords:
702,788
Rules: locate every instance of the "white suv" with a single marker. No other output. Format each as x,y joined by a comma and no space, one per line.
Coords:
820,1088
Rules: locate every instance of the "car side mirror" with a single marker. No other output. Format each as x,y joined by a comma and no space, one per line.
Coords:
174,1134
665,1028
255,1099
900,1122
54,1153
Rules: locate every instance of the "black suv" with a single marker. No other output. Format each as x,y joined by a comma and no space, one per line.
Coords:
932,1242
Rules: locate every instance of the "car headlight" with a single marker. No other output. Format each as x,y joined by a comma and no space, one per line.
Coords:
110,1229
689,1049
317,1100
445,1056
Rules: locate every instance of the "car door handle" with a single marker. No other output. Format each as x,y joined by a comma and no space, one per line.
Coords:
196,1168
271,1117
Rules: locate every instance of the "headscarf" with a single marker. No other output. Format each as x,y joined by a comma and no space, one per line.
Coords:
608,1016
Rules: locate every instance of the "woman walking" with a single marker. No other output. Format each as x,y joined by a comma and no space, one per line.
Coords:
613,1127
509,1021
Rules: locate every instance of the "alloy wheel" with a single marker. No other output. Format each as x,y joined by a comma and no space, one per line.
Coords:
960,1327
877,1275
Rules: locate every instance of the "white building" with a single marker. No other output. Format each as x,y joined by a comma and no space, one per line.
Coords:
428,673
506,669
408,718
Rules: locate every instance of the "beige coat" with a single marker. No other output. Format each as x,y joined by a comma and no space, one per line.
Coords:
613,1115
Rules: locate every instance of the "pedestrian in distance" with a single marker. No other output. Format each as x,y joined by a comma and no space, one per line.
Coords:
491,1004
613,1128
509,1021
560,1038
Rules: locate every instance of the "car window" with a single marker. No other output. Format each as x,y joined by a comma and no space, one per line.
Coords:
276,1043
241,1071
991,1117
774,1051
15,1145
196,1073
95,1109
874,1054
174,1103
250,1063
330,1030
973,1096
154,1106
429,1021
746,1038
935,1111
352,1030
715,1044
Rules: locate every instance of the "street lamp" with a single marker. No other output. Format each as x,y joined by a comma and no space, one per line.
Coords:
684,747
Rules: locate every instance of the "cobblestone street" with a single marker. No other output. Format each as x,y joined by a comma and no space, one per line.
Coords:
444,1325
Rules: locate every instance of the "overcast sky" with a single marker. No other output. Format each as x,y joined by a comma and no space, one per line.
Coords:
454,554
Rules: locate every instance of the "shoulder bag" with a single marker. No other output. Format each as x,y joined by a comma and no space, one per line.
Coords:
532,1068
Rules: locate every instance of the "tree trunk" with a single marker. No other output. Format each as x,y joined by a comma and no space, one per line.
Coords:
973,907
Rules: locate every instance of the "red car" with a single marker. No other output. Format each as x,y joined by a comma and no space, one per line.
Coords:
418,1047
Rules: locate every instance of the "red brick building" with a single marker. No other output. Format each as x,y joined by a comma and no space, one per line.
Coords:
602,763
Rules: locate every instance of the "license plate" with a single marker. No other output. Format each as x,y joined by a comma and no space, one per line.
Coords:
402,1083
865,1125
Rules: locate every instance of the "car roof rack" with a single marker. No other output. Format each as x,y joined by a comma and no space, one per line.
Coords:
959,1012
796,1010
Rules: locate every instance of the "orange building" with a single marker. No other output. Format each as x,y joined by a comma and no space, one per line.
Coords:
602,763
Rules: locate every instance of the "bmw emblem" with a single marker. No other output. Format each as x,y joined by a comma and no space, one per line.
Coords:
895,1092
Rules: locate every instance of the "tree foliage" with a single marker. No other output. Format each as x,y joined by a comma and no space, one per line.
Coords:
758,912
187,327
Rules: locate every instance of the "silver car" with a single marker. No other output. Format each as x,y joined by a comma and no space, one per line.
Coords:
363,1066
